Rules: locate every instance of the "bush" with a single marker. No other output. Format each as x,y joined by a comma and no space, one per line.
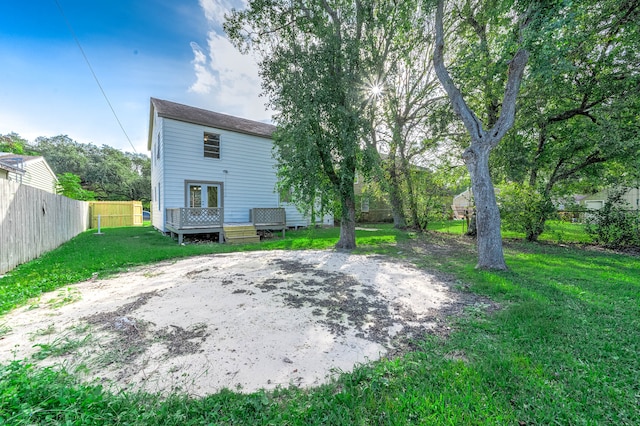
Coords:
615,224
523,209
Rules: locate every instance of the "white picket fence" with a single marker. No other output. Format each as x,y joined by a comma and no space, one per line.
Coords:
33,222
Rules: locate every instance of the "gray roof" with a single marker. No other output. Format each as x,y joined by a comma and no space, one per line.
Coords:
14,162
208,118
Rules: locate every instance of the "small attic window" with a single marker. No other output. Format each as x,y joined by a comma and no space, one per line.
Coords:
211,145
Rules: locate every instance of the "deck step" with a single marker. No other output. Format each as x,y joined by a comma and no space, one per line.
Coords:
241,234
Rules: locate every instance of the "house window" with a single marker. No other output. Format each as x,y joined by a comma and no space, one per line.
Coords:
211,145
158,147
364,208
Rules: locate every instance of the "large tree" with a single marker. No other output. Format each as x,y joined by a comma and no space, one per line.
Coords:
483,141
580,103
409,121
108,172
14,143
315,59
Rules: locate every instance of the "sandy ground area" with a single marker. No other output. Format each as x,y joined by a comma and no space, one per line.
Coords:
242,321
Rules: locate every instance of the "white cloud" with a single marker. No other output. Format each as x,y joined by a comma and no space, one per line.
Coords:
214,10
206,80
229,79
240,83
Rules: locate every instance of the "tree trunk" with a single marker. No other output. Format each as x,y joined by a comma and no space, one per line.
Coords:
397,207
411,197
472,230
395,194
476,157
490,255
347,239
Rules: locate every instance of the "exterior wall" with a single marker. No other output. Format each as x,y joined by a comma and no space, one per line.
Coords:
157,174
596,201
4,174
39,175
296,218
245,169
462,204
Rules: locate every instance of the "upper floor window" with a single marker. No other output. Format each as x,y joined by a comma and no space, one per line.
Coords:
211,145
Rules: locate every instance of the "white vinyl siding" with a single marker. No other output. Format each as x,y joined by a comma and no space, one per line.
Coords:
39,175
246,170
296,218
157,175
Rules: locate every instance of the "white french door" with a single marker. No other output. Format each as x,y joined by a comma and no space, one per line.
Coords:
203,195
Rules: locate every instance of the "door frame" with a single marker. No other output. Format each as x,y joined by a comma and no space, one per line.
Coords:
220,186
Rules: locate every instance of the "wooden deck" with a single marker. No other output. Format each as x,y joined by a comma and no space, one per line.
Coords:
269,219
188,220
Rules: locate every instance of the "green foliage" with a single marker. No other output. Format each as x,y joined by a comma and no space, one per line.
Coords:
555,231
108,173
579,103
69,186
13,143
316,61
615,224
523,209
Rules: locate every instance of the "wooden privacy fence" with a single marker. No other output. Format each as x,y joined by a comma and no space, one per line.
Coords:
33,222
116,213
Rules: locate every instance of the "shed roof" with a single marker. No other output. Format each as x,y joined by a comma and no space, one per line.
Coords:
189,114
20,161
14,162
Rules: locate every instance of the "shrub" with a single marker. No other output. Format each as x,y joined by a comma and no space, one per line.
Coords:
523,209
615,224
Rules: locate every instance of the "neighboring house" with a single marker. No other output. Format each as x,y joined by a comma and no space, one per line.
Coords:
371,206
597,200
28,170
210,171
11,170
462,204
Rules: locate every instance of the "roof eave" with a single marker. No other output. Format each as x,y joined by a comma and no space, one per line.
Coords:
202,123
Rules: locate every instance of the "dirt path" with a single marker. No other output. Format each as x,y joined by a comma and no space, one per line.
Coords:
243,321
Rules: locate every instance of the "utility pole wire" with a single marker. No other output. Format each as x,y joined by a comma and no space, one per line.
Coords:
95,77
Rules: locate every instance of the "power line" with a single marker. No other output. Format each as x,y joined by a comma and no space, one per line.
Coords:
93,73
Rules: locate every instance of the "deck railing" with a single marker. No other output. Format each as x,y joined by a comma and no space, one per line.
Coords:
268,216
195,217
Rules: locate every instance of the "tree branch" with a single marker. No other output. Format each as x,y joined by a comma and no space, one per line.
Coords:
460,107
508,111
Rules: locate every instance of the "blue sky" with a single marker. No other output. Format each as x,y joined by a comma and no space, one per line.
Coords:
167,49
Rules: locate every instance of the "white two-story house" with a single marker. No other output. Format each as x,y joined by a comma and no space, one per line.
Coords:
211,171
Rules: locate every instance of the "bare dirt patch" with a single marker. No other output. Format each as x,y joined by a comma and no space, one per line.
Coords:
243,321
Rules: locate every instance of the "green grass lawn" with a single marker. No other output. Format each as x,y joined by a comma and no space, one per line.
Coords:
562,349
556,231
118,249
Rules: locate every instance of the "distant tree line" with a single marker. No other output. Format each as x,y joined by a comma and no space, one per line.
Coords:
86,171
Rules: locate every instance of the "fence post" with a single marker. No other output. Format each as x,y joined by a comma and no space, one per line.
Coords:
99,233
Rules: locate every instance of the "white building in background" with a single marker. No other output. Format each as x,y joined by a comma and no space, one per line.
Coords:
29,170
